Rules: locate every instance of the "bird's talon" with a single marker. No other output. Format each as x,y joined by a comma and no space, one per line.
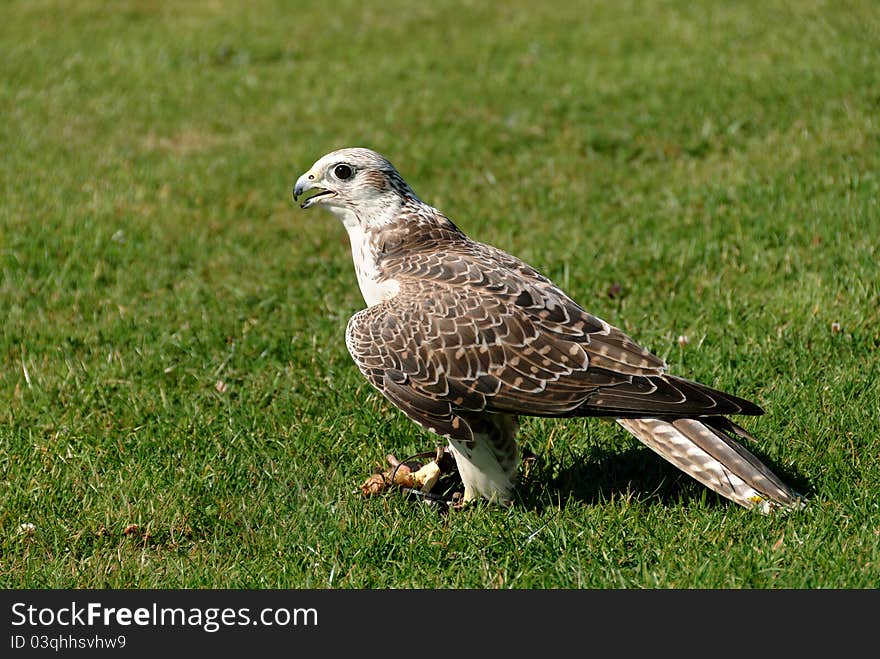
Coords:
412,477
426,477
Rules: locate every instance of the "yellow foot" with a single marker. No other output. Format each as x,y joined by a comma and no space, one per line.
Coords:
423,479
426,478
470,497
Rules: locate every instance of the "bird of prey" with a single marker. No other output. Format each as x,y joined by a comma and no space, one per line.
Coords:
465,339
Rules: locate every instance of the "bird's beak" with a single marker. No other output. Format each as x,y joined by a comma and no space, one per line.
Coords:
304,184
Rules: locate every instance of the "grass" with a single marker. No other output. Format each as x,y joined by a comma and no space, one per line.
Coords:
178,406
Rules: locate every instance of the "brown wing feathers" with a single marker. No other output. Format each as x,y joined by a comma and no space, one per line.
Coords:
496,342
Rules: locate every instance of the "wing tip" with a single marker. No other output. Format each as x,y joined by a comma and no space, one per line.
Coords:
791,502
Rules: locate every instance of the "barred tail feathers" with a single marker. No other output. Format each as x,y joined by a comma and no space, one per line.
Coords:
703,449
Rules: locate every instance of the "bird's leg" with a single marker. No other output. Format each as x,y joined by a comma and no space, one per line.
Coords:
460,500
470,495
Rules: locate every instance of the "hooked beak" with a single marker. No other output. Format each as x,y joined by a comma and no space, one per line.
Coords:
305,183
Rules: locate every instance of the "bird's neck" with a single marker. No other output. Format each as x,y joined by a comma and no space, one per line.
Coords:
371,215
366,253
377,232
365,229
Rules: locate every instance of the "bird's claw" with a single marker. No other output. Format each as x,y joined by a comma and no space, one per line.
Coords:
411,476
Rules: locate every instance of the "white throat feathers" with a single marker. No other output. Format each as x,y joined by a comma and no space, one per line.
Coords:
374,287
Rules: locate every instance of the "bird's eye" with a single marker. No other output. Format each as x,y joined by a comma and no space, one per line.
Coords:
343,172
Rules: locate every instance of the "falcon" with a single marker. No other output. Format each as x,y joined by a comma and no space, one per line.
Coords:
465,339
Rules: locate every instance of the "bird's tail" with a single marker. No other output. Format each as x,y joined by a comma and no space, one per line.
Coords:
704,449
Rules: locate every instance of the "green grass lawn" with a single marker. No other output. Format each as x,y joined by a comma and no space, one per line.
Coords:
177,405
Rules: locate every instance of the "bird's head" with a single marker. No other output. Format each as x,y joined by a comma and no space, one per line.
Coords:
356,184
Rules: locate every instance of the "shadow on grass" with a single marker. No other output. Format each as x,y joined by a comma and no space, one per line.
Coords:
597,477
600,475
